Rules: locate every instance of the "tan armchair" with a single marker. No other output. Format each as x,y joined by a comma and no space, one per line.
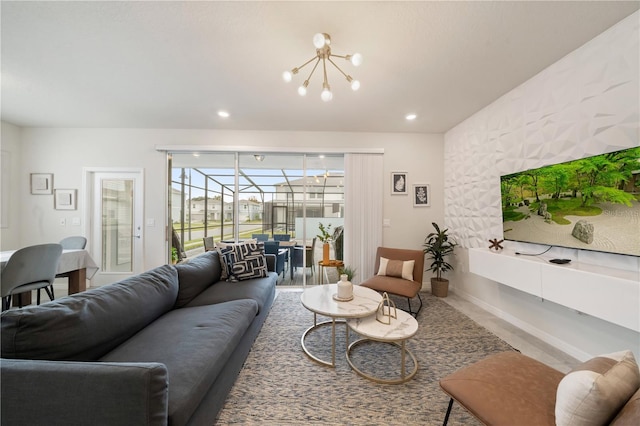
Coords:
391,280
510,388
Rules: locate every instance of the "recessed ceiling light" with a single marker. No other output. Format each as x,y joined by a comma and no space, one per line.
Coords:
223,114
410,117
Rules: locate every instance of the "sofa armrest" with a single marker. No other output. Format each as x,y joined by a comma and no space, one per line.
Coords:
81,393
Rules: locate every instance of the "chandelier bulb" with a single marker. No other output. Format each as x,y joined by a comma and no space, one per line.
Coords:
302,90
321,39
287,76
355,85
326,94
356,59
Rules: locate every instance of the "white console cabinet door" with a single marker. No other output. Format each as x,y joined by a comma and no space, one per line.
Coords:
607,297
507,270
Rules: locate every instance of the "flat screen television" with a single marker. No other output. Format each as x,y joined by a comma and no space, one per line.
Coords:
592,203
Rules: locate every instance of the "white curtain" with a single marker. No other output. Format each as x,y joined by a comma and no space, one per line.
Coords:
363,177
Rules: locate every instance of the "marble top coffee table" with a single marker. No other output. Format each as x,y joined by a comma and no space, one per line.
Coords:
396,333
320,301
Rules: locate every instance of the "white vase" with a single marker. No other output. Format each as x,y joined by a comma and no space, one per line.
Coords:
345,288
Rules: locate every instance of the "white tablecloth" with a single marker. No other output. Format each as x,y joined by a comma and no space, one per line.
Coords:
71,260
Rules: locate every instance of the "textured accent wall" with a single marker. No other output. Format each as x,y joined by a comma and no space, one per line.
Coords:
586,103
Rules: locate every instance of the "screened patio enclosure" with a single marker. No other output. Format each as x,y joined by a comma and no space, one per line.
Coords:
234,196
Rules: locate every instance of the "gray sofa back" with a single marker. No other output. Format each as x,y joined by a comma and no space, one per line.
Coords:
85,326
196,275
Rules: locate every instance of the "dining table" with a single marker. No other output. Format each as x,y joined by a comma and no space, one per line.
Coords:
78,265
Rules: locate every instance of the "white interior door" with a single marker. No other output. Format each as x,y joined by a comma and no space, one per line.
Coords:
116,225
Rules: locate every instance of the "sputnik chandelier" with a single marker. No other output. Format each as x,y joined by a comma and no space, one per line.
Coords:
322,42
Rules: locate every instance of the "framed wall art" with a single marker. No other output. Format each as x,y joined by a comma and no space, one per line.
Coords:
399,183
42,183
65,199
421,195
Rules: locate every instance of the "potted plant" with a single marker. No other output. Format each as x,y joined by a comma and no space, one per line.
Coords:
174,255
438,245
347,270
325,237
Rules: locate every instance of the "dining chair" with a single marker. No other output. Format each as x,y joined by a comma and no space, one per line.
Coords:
209,245
30,268
281,237
75,242
273,247
303,256
260,237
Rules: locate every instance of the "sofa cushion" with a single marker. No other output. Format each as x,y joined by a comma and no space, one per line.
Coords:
197,274
507,388
594,392
262,290
398,286
87,325
194,344
396,268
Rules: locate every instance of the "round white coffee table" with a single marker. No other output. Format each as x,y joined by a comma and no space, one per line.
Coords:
320,301
396,333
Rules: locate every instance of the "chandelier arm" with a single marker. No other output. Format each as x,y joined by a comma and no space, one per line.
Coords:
324,68
314,69
348,77
306,63
347,57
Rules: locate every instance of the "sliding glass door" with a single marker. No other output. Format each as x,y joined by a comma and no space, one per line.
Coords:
239,196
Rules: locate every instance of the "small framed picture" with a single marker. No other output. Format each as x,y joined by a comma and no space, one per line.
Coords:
65,199
41,183
421,195
399,183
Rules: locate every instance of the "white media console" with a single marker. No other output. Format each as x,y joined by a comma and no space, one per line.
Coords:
607,293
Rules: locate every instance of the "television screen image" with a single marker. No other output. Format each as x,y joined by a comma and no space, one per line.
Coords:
592,203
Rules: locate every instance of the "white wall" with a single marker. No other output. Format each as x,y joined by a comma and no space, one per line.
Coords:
13,187
65,152
586,103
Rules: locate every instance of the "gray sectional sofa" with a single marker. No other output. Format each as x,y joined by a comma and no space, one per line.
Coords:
162,347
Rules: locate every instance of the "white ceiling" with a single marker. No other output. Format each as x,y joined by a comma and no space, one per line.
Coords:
172,64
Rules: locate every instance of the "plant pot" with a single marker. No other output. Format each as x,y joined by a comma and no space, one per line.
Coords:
439,287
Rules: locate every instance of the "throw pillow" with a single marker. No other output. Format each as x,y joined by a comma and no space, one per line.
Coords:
243,261
227,256
594,392
225,260
396,268
248,262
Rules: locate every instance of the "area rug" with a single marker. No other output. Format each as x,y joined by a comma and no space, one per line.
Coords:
280,385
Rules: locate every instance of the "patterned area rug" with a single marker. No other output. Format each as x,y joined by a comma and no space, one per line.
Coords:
280,385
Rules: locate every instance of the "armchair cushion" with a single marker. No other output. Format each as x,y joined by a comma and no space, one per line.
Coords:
396,268
594,392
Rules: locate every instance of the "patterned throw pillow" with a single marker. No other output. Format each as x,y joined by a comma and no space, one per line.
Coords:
244,261
225,260
396,268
